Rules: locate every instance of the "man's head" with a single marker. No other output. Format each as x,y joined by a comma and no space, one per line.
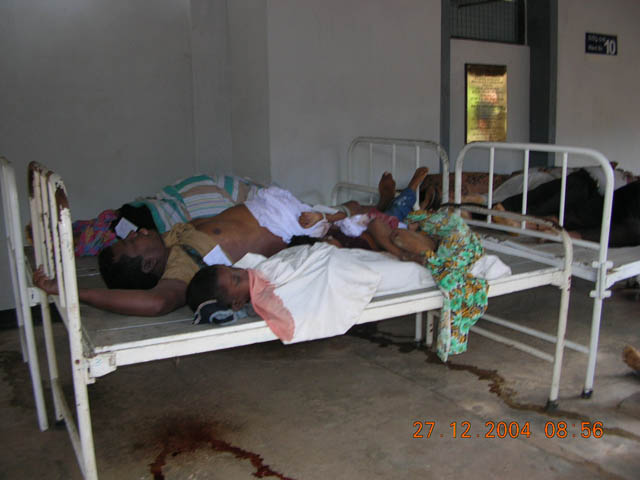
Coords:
228,285
136,262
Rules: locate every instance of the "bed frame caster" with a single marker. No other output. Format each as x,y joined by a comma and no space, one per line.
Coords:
60,424
551,406
586,394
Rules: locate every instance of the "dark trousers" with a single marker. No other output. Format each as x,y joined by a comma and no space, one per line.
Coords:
583,208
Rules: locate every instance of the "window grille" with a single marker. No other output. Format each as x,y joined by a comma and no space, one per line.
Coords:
488,20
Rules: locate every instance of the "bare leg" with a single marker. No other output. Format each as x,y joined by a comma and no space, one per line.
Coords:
387,190
412,242
428,197
355,208
418,177
381,234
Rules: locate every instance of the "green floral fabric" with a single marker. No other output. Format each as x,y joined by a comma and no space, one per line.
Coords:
465,297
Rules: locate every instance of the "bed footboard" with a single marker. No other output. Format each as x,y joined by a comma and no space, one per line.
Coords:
53,243
22,294
600,267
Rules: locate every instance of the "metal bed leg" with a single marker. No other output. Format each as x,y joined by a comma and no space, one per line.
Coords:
34,367
23,339
88,460
429,339
52,359
552,403
593,348
28,342
418,327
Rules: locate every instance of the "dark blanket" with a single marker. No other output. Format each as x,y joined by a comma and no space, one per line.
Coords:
583,208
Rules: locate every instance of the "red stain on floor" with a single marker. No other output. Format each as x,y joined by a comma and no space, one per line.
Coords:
190,434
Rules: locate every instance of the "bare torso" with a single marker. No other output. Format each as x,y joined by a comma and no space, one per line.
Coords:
238,232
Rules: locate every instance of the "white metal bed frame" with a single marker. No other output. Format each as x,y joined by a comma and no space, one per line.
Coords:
22,294
99,343
601,271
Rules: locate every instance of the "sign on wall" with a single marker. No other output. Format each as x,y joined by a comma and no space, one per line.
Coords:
486,103
601,44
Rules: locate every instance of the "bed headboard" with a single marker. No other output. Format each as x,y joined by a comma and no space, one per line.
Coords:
53,238
369,157
564,156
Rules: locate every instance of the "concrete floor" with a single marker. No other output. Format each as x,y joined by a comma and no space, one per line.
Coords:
346,408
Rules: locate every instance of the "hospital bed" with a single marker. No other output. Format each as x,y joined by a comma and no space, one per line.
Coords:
592,261
100,342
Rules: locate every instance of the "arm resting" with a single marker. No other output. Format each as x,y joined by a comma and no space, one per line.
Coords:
165,297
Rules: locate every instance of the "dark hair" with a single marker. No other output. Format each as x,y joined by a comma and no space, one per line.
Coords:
205,286
126,272
303,240
139,215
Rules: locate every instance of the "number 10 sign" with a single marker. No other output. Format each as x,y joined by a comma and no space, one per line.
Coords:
601,44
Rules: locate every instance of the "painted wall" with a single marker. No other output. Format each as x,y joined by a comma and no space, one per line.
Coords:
516,58
598,101
99,91
249,88
343,68
211,71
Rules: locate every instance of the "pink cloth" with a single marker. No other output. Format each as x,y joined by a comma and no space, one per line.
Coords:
270,307
388,219
91,236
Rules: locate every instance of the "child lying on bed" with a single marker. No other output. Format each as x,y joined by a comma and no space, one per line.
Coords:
339,283
356,226
148,273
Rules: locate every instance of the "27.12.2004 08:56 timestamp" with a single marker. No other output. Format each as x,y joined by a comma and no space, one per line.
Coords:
502,429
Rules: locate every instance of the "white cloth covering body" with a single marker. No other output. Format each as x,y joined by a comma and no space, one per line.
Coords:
278,211
318,291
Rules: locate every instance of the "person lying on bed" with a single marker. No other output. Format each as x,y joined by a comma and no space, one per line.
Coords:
273,285
583,208
198,196
148,273
353,225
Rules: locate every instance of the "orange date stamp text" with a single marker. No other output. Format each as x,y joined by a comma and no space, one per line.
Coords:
508,429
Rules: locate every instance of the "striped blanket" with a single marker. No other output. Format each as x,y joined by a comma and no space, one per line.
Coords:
195,197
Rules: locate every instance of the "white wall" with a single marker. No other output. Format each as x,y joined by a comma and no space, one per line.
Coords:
99,91
211,86
598,101
249,88
516,58
343,68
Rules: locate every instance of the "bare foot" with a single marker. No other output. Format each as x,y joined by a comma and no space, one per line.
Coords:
412,242
631,357
418,177
503,220
429,197
479,200
309,219
387,191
